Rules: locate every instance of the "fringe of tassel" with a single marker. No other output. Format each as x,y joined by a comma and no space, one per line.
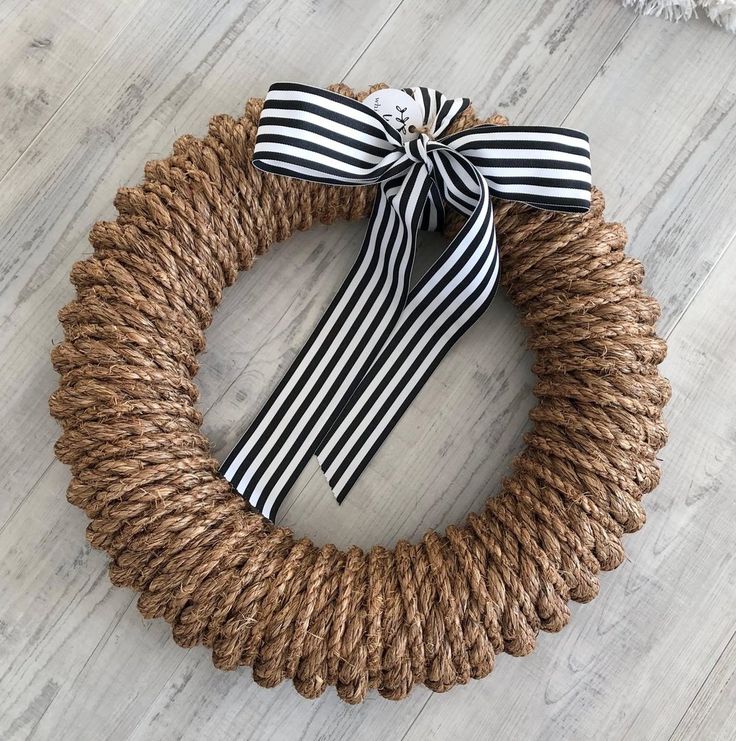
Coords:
721,12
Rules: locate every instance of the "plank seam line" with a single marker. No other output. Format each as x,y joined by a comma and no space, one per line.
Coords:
615,48
703,683
703,282
370,43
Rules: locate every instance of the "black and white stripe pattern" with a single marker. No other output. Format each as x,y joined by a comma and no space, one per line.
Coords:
378,341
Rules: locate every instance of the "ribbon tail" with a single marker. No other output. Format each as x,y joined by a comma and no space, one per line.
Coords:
269,457
451,296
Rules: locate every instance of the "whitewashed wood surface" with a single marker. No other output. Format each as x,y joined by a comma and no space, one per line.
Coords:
90,90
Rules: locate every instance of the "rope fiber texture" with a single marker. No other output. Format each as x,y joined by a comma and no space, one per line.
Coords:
436,612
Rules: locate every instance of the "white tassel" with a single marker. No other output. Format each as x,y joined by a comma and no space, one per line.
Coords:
722,12
672,10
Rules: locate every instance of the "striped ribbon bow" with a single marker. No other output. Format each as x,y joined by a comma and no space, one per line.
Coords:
380,340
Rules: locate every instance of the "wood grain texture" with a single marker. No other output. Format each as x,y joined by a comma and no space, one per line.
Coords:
48,47
651,658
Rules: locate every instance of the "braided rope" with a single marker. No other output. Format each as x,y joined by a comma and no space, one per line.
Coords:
435,612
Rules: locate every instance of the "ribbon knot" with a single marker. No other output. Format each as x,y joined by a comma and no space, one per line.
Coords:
380,339
416,150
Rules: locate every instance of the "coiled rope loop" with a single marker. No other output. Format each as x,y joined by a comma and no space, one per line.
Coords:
435,612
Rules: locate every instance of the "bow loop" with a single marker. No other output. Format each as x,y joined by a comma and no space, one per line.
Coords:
381,338
543,167
321,136
438,111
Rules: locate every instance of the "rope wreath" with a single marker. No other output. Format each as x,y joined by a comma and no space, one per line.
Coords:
435,612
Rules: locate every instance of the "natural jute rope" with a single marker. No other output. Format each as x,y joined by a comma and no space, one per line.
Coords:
436,612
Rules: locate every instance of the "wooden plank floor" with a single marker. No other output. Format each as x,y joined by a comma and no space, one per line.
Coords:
90,91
